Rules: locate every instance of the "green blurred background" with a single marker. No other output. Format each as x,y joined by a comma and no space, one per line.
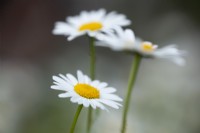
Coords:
165,99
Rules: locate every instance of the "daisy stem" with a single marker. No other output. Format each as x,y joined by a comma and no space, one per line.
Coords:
76,118
131,82
92,58
92,76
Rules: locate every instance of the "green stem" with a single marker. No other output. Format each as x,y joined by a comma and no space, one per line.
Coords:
92,58
89,124
92,76
131,82
76,118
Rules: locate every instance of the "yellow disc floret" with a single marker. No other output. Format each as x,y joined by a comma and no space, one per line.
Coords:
92,26
87,91
148,47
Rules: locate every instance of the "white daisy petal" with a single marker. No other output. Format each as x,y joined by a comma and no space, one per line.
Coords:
80,101
87,79
80,76
74,99
61,84
171,53
100,105
103,85
109,90
92,104
110,103
62,28
122,40
95,83
64,95
129,34
112,97
62,76
56,87
82,90
72,79
86,103
58,79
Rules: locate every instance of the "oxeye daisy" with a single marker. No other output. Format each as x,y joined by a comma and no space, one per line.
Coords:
83,91
169,52
125,40
90,23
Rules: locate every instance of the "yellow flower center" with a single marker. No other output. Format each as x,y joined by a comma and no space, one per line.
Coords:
93,26
87,91
149,47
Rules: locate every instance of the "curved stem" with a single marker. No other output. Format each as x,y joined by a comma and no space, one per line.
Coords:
92,76
76,118
131,82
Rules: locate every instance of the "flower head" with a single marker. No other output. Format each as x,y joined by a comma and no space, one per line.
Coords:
90,23
170,52
125,40
82,90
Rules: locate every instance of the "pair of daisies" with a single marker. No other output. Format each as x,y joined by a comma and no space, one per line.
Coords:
106,28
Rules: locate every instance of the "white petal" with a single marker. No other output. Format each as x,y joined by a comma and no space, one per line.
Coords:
61,83
80,100
59,80
179,61
172,53
95,83
72,79
74,99
102,85
64,95
108,90
56,87
87,79
73,36
110,103
86,103
62,28
130,35
101,106
65,78
80,76
92,104
111,97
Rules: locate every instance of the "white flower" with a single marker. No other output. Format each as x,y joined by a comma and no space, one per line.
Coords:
82,90
90,23
125,40
169,52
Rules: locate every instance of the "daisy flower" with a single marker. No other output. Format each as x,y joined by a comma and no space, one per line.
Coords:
125,40
84,91
90,23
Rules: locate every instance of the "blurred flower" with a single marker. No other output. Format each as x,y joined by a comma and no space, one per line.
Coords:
90,23
169,52
125,40
84,91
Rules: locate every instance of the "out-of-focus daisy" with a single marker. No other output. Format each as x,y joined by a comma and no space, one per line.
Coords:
83,91
125,40
169,52
91,23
